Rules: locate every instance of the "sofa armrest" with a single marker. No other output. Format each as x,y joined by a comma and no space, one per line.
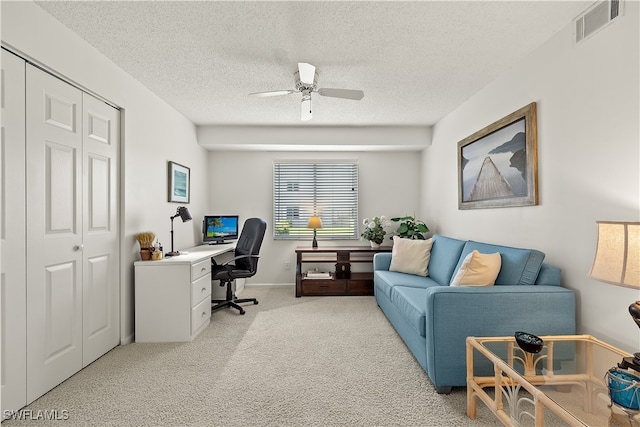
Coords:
381,261
454,313
548,275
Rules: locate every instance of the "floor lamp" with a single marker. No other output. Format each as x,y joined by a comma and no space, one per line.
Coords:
617,261
184,214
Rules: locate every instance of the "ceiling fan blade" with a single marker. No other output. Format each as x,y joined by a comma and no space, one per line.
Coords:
342,93
305,108
272,93
307,73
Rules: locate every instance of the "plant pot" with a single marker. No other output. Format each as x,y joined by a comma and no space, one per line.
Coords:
624,388
145,254
374,245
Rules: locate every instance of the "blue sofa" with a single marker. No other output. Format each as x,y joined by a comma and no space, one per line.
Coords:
434,318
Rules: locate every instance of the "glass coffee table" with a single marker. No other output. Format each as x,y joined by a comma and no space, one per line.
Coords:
564,384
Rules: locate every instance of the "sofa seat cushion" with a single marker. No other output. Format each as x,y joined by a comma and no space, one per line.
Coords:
519,266
384,281
411,303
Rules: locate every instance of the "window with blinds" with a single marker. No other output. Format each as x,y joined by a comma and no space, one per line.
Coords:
328,189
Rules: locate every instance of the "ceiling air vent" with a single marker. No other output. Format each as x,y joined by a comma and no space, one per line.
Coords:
598,16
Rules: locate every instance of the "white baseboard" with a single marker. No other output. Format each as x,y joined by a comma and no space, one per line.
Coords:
126,340
269,285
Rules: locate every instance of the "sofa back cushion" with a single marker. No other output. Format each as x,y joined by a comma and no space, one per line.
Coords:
519,266
445,253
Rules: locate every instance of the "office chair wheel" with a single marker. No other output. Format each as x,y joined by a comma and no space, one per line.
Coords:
255,302
242,312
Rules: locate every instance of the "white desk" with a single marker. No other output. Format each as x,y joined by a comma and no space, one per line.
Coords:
173,295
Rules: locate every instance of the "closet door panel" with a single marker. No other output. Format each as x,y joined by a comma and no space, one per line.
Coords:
13,305
101,292
54,232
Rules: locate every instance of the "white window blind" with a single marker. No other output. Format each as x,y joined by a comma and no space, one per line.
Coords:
328,189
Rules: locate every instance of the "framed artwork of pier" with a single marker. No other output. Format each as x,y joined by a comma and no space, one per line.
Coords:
498,165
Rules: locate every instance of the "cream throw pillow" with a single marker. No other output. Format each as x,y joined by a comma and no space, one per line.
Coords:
478,270
410,256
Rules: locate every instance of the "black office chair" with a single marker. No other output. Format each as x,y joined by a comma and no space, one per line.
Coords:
243,265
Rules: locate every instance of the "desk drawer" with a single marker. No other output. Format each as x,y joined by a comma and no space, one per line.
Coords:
200,289
200,314
200,269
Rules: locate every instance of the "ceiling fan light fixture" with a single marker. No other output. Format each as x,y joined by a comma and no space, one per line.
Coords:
307,73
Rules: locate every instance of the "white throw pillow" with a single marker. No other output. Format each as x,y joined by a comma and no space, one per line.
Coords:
410,256
478,270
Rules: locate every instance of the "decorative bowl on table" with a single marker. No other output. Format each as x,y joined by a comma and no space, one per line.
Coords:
529,342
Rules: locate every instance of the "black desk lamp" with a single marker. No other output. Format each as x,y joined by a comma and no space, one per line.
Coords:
184,214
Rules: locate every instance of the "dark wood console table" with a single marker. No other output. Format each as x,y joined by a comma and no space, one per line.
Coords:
342,281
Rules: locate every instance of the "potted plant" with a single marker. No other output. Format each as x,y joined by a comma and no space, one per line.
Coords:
374,230
410,228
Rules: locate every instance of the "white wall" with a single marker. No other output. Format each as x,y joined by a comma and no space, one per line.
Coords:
241,183
588,157
324,138
153,133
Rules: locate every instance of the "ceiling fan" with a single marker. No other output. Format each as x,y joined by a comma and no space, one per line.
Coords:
306,79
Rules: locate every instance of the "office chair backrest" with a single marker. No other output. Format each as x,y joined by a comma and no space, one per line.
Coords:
249,243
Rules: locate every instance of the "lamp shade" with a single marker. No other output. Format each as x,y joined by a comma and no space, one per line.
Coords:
314,222
617,258
184,214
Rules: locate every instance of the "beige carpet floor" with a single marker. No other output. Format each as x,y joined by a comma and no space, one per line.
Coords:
312,361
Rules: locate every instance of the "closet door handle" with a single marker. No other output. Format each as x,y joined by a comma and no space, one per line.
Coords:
77,248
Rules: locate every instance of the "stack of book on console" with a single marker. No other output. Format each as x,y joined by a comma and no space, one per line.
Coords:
315,274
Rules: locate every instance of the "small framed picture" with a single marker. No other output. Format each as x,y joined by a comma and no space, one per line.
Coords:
498,165
179,182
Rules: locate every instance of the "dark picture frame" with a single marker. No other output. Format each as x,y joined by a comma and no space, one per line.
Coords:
179,179
498,165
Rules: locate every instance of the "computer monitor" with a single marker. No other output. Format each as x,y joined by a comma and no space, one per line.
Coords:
219,229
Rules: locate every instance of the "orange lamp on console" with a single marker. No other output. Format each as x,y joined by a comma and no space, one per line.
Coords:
314,222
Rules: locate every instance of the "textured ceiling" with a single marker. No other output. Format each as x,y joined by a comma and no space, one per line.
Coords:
415,61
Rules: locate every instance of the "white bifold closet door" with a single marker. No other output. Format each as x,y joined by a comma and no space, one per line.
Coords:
12,233
72,143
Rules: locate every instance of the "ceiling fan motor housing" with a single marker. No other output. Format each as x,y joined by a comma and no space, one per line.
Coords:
306,87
